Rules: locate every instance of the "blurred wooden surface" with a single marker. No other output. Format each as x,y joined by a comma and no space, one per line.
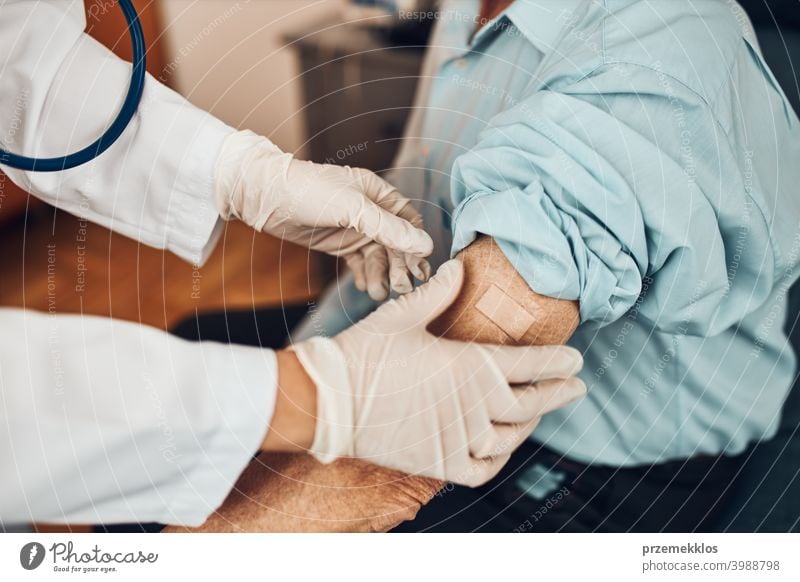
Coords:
106,23
101,273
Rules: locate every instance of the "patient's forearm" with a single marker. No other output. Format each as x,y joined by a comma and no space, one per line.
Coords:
280,492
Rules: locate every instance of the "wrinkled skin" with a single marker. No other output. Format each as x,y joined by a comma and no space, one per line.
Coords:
295,493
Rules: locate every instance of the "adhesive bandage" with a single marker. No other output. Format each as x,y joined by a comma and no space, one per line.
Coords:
505,313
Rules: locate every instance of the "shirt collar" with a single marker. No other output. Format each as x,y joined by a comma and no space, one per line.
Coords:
540,21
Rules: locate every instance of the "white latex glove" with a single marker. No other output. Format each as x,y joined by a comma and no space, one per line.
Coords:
342,211
390,392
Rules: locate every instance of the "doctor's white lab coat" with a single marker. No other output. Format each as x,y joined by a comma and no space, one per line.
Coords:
103,421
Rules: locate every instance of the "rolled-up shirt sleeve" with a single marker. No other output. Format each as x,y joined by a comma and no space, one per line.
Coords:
594,189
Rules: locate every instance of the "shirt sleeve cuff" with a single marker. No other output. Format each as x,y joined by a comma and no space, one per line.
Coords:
548,251
196,226
245,379
528,237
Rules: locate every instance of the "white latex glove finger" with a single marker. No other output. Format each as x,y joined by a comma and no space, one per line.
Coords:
419,267
511,436
388,197
374,208
333,209
549,395
536,399
357,265
381,226
376,267
511,421
548,362
427,302
481,471
483,441
472,407
400,264
398,273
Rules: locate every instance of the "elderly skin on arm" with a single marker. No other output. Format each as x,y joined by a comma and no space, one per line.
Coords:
286,493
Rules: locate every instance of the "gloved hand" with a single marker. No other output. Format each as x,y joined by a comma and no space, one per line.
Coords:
342,211
391,393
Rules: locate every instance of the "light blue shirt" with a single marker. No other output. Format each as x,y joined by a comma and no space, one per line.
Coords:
639,157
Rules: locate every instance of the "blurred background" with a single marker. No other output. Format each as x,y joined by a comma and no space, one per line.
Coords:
277,67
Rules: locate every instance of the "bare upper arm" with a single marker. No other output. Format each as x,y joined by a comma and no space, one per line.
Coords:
553,321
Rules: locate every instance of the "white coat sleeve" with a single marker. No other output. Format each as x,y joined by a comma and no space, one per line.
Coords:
61,89
103,421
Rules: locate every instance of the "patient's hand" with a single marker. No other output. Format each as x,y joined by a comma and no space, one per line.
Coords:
281,492
296,493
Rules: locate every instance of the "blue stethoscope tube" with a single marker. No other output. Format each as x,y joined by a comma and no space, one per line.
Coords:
124,117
